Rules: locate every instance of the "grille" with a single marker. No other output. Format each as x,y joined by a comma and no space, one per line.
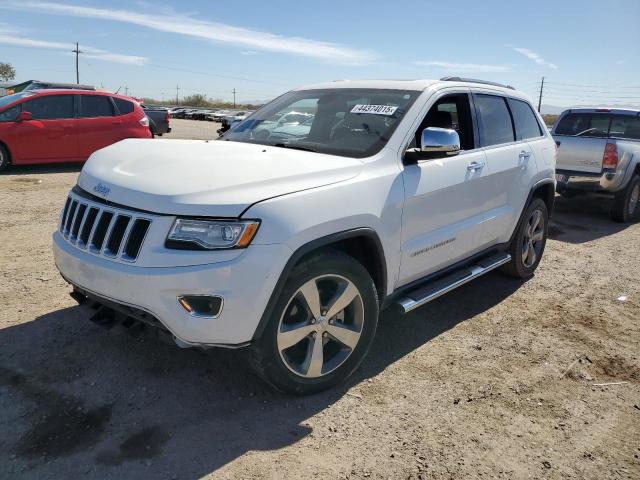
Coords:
103,230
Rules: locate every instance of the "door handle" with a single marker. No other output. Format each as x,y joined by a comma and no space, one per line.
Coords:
475,166
524,155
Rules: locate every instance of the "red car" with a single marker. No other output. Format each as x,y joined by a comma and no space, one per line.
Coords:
51,126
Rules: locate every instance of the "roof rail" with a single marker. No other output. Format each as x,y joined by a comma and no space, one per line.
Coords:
473,80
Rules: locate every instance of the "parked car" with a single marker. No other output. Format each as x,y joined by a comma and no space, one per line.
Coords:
599,151
229,121
401,192
182,113
159,120
51,126
277,122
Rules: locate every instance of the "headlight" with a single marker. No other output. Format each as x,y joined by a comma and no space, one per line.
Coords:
211,234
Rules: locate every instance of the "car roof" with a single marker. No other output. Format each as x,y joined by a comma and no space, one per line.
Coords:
68,91
619,111
417,85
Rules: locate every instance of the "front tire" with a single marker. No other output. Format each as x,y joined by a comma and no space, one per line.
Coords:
321,328
531,238
626,205
4,158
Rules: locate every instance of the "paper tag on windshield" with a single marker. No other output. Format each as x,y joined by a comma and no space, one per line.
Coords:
375,109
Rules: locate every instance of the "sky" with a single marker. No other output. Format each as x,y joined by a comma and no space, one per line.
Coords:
587,51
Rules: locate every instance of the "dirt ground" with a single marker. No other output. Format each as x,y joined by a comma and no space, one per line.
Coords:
499,379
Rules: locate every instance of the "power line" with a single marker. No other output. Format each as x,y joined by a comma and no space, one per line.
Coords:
593,86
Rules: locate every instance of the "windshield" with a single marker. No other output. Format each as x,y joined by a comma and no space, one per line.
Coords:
4,101
352,122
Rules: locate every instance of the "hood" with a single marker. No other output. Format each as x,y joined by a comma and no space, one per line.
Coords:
207,178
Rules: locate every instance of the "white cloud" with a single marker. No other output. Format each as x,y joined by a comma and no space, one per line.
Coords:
463,67
531,55
202,29
9,37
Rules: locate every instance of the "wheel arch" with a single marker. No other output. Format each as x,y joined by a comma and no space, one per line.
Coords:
361,243
544,190
6,147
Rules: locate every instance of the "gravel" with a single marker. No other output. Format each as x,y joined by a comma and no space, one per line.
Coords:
474,385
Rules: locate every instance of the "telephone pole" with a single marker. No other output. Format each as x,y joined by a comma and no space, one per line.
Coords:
540,98
234,98
177,90
77,51
126,91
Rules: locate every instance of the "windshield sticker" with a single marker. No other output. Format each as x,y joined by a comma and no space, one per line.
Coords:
374,109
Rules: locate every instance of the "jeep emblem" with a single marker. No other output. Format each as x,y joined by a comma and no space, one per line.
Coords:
102,190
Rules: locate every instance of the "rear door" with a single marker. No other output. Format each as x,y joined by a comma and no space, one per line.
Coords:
581,138
50,136
530,129
98,126
509,161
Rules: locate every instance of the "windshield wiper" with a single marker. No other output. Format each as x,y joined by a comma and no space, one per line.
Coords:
295,147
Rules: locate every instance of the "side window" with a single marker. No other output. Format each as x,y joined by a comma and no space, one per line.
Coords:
494,120
625,126
124,107
527,125
51,107
10,114
582,124
452,112
92,106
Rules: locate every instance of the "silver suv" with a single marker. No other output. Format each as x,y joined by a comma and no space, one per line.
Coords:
599,150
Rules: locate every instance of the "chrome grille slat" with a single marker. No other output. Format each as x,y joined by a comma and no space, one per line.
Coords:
125,236
126,230
70,217
75,226
107,235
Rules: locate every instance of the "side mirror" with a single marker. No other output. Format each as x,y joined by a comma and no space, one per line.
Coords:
22,116
440,140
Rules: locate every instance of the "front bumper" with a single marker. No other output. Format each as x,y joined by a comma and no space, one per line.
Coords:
245,283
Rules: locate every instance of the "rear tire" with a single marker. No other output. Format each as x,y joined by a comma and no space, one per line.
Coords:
302,352
528,245
626,204
5,159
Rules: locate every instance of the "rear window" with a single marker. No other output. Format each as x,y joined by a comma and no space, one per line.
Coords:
625,126
584,125
494,120
124,106
95,106
527,125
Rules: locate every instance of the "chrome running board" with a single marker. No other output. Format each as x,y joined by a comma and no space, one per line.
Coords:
436,288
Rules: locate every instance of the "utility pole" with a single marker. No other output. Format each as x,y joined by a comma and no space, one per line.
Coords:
126,91
540,98
234,98
77,51
177,90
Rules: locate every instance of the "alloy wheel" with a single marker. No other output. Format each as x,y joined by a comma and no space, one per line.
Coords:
532,240
320,326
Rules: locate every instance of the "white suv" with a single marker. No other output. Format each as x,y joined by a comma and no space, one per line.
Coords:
396,193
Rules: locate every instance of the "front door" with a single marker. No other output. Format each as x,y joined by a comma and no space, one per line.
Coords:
51,133
445,198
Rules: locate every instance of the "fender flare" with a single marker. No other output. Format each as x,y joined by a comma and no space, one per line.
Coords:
310,247
536,186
